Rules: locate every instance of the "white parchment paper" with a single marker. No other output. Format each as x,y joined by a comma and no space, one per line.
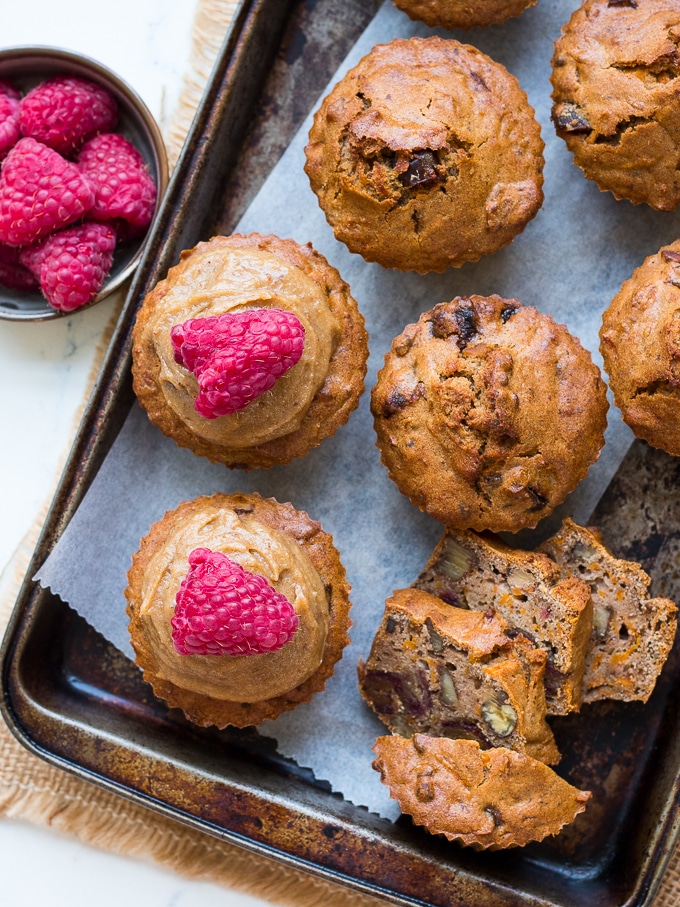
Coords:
569,262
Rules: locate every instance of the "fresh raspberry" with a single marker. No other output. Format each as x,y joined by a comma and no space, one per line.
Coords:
8,89
64,111
39,192
13,274
123,187
9,123
223,609
71,265
238,356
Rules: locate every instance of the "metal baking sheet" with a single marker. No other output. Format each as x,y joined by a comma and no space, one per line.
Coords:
71,698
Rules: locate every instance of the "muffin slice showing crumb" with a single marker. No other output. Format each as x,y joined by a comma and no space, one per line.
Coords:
528,591
632,633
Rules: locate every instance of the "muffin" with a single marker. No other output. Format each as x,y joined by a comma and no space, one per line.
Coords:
463,13
527,591
632,633
238,608
640,345
488,413
449,672
616,104
486,799
426,155
230,305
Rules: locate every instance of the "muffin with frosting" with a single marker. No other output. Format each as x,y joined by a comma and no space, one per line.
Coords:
250,352
238,607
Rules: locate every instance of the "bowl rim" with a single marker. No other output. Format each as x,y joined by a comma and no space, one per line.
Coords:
74,60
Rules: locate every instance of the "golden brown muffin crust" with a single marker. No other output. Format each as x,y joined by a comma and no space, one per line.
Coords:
487,799
616,104
426,155
463,13
640,345
488,413
332,404
317,544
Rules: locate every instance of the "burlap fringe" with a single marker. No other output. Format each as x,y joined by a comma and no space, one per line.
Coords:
209,30
35,792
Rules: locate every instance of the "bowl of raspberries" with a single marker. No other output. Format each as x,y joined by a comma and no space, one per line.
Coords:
82,170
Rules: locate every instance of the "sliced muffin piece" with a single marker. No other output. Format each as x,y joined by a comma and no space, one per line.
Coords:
488,799
528,591
632,633
447,672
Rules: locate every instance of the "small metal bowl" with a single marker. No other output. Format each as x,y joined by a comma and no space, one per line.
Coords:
25,67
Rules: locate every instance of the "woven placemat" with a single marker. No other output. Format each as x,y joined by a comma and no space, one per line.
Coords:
34,791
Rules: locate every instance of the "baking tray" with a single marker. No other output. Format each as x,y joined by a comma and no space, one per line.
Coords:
72,699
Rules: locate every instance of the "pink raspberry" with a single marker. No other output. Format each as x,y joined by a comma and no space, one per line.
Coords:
13,274
9,123
123,187
62,112
71,265
223,609
8,89
39,192
238,356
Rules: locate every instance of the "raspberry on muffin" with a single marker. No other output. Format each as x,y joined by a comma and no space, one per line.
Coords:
238,607
251,351
615,100
463,13
488,413
426,155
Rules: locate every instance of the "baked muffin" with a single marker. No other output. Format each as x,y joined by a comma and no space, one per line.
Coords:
614,75
463,13
528,591
448,672
426,155
640,345
230,305
238,608
632,633
487,799
488,413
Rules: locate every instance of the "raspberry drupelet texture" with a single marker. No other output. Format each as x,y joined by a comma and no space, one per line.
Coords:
64,111
223,609
71,265
12,273
39,192
237,357
9,123
123,187
8,89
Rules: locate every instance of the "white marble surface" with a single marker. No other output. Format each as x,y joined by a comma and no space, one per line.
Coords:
44,371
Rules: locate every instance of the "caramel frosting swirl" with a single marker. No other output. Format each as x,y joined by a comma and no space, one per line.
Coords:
262,550
216,280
